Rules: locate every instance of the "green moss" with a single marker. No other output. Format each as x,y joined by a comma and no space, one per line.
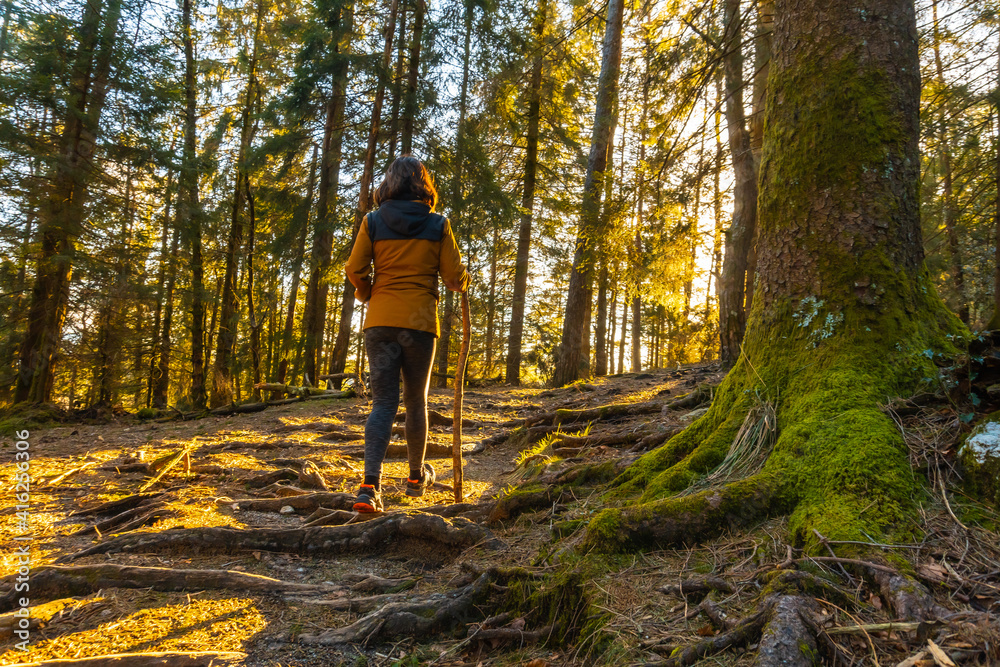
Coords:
147,413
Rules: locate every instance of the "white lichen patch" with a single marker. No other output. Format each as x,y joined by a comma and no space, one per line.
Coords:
984,442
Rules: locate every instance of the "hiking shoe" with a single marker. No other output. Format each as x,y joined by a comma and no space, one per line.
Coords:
416,487
369,499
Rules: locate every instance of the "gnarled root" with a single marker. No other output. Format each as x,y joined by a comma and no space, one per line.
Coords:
522,500
787,640
58,581
685,520
456,533
436,613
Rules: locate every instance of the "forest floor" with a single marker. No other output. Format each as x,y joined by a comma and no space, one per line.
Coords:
242,488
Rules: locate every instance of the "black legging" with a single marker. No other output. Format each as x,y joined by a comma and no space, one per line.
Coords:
392,350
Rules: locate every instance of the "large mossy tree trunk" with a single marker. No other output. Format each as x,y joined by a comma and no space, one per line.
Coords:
844,314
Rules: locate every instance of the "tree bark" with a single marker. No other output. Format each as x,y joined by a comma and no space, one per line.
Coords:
739,239
63,213
571,364
189,214
516,335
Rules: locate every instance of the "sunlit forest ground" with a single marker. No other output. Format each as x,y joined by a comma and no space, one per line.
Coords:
258,458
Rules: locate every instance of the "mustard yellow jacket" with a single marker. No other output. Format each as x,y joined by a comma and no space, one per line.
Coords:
408,246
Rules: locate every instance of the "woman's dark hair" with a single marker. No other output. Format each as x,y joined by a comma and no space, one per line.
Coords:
407,178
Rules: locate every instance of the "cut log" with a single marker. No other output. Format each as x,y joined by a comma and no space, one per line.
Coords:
165,659
61,581
371,535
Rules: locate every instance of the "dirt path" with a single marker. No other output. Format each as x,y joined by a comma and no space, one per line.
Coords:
260,457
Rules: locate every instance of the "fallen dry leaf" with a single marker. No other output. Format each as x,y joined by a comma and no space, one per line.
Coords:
940,657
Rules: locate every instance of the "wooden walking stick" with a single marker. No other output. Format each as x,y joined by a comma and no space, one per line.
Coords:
456,427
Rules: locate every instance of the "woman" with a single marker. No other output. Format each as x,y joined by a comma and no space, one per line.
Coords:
409,246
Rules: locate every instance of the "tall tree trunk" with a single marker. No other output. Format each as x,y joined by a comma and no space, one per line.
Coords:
166,259
397,84
491,302
253,323
222,381
948,209
515,337
995,321
189,215
342,345
161,385
7,6
63,213
762,61
612,325
739,239
570,363
457,199
410,101
601,333
287,335
621,342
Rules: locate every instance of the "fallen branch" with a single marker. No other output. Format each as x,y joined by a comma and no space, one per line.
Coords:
106,526
66,475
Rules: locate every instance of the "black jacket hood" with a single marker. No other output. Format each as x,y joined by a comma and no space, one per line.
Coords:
406,218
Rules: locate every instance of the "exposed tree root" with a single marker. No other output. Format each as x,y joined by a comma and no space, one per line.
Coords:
907,597
455,533
306,503
119,520
165,659
118,505
432,615
264,479
787,640
686,520
370,583
59,581
526,499
397,450
435,418
697,587
743,633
